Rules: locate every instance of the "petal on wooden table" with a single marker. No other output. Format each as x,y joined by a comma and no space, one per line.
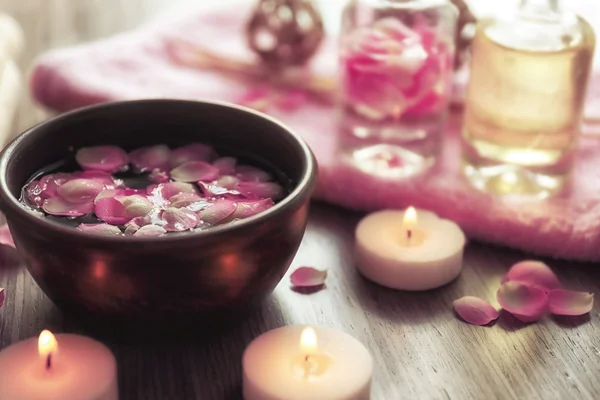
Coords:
475,311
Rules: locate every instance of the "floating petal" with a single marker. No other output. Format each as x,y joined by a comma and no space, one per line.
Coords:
179,219
249,173
140,221
104,178
258,190
150,231
100,229
228,182
189,200
218,212
194,171
247,209
191,152
80,190
131,228
33,193
170,189
50,183
213,190
118,194
61,207
102,158
150,158
475,311
111,211
136,205
225,165
159,176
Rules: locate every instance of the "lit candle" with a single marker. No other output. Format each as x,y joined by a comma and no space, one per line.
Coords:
298,363
409,250
65,367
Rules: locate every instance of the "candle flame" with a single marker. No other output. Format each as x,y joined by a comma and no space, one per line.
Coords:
47,345
308,341
410,219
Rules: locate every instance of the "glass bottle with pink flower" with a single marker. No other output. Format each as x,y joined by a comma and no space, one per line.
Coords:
396,59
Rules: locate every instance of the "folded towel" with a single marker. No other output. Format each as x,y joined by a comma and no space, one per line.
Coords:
156,62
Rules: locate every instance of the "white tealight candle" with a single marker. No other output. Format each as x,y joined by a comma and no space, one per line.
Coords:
306,363
65,367
409,250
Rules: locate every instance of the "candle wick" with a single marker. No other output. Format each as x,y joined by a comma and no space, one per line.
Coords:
307,367
49,361
408,234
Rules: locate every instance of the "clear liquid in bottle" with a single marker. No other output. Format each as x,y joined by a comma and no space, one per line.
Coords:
525,101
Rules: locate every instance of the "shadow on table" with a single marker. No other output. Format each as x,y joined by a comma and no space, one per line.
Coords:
393,305
201,360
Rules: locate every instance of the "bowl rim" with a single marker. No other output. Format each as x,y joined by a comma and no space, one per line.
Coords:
303,188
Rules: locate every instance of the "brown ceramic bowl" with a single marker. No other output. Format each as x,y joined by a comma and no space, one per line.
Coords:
198,274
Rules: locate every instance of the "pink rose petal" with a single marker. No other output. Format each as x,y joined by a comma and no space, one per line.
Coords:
111,211
249,173
150,231
256,190
475,311
567,302
193,171
227,182
308,277
118,194
213,190
179,219
225,165
218,212
191,152
189,200
5,236
100,229
150,158
106,194
131,227
102,158
533,273
50,183
249,208
2,297
523,301
61,207
104,178
159,176
140,221
33,193
170,189
136,205
80,190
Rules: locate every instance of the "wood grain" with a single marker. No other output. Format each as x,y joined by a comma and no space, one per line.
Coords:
421,350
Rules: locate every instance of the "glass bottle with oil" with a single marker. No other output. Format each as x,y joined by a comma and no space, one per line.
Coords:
529,75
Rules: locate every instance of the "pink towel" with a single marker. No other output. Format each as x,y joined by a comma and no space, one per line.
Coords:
140,65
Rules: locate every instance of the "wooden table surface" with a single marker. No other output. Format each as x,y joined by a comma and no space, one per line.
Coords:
421,350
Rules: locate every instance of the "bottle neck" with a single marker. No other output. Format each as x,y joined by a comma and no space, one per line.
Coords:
541,7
